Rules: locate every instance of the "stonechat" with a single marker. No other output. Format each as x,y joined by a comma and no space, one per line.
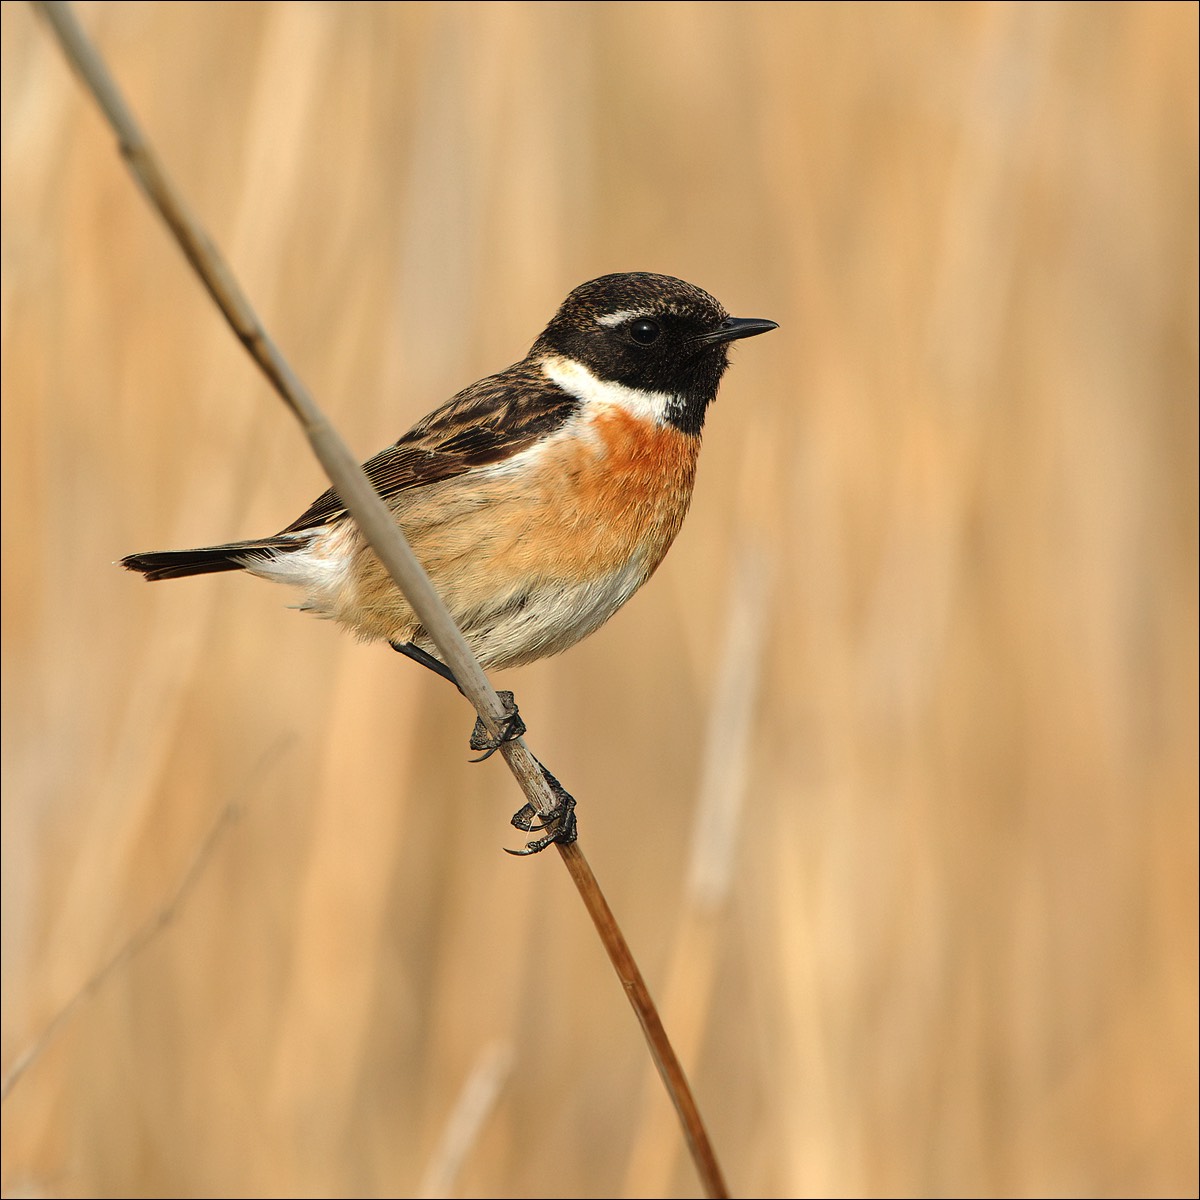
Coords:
538,499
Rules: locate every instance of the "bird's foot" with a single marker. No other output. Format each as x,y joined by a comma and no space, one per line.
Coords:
511,728
559,824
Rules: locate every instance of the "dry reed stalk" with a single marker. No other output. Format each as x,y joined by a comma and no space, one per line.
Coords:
690,976
475,1103
140,939
386,540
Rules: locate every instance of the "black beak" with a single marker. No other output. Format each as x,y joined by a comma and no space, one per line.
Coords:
733,328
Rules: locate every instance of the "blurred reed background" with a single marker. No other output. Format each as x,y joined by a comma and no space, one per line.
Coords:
930,627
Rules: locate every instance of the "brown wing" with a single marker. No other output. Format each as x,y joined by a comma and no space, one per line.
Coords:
491,420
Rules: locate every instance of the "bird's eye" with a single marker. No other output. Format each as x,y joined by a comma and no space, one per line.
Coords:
644,331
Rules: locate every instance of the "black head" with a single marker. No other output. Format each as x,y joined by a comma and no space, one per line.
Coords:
649,332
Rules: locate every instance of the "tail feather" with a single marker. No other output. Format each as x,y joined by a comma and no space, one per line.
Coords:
175,564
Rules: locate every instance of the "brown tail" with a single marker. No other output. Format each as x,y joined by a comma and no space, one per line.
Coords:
175,564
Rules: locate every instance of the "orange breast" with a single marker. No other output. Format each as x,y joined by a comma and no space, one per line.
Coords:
617,490
563,535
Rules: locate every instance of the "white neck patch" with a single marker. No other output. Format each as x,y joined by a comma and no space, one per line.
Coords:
576,380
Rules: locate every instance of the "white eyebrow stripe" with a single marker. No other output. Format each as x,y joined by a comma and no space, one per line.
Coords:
576,380
611,320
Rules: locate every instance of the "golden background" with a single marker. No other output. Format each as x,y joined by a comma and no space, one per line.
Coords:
890,773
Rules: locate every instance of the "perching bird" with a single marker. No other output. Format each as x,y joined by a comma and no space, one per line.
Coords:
538,499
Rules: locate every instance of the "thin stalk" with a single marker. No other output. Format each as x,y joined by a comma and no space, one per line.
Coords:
386,539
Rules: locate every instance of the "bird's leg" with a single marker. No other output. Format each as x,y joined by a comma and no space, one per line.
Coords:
559,823
511,728
426,660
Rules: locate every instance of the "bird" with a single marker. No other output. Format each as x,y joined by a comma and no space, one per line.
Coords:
538,499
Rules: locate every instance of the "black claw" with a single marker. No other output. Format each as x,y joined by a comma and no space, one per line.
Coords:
534,847
560,823
512,728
